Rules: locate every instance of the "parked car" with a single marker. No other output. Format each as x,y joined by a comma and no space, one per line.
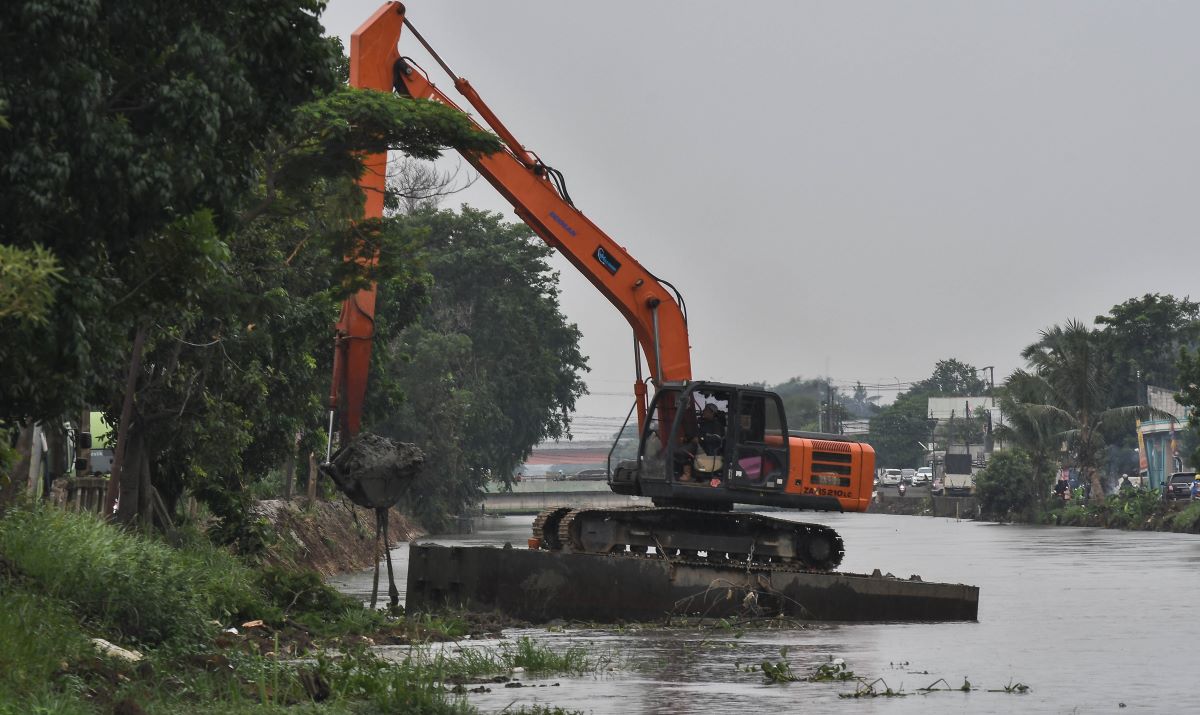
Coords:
1179,486
891,478
924,475
906,475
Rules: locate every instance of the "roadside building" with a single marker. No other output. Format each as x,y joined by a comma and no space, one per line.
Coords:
1160,437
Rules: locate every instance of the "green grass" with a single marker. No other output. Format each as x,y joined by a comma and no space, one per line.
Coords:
487,660
67,577
535,658
38,636
408,686
131,587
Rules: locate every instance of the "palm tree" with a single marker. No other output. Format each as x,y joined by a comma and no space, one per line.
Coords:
1032,427
1071,377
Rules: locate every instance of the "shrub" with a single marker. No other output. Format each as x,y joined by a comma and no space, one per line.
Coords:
130,585
1008,486
1187,519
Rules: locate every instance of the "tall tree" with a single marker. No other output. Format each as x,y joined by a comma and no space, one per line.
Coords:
191,169
899,429
126,119
492,367
951,378
1072,372
242,368
1145,335
1033,428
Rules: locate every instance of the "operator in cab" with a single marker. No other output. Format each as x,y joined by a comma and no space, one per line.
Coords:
706,440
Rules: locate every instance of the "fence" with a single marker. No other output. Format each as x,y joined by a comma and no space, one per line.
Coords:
85,494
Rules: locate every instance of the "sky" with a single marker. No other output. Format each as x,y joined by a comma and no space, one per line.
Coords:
847,189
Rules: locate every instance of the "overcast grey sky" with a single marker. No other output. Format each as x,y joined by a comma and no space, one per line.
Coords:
853,189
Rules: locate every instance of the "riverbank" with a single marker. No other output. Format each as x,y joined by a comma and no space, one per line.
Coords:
926,505
1129,511
97,619
329,537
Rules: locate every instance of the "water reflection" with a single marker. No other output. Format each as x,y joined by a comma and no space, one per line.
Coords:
1077,614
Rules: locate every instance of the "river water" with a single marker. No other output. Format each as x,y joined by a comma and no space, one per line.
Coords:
1089,619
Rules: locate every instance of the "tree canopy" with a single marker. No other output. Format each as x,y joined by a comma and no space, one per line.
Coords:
491,367
1144,336
238,372
132,131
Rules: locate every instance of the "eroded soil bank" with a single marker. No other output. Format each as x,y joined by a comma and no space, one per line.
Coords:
329,537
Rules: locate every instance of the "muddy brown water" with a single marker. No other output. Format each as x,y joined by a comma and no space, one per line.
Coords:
1089,619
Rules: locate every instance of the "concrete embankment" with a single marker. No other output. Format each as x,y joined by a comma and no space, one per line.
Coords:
953,507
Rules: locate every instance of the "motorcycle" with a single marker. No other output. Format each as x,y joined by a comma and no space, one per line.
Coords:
902,488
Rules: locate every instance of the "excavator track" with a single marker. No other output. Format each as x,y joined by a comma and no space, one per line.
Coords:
685,534
545,527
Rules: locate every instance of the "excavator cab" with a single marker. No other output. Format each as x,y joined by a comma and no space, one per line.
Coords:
708,444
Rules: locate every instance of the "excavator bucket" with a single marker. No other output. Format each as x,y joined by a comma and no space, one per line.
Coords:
374,471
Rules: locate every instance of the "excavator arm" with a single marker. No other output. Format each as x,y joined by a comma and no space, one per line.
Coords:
536,192
370,67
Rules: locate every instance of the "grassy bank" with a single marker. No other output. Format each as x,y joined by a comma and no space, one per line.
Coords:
1132,509
214,634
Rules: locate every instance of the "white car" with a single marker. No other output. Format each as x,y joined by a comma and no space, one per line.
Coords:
924,475
891,478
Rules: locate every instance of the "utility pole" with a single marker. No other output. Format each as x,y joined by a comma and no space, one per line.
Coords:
829,406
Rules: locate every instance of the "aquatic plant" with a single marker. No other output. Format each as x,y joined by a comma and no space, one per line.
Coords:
834,669
1013,688
779,672
877,688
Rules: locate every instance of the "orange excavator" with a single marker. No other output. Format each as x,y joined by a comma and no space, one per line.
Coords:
700,447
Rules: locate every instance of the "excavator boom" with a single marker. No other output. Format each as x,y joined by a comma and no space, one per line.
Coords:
538,195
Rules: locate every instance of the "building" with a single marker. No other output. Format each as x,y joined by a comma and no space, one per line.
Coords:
1159,437
944,410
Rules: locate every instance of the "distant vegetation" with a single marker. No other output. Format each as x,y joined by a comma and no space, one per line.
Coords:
1074,405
